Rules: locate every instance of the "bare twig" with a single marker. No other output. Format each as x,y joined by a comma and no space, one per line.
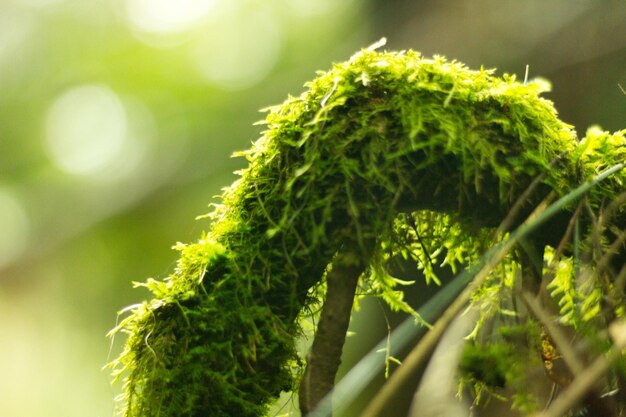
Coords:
620,281
612,250
613,207
508,221
567,236
571,359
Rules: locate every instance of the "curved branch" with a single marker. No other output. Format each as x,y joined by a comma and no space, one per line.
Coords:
380,134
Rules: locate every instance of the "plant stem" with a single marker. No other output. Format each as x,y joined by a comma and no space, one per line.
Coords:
325,356
586,380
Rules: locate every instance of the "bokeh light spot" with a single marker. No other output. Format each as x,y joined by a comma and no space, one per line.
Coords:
16,27
41,3
317,7
86,129
14,224
167,16
238,53
142,132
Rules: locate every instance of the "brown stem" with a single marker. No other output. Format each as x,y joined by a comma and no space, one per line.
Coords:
586,380
325,356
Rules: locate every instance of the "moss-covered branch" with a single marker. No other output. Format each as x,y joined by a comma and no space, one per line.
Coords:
380,134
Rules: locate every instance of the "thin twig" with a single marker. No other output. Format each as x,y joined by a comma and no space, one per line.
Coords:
596,232
411,222
615,205
604,262
563,242
571,359
620,281
505,224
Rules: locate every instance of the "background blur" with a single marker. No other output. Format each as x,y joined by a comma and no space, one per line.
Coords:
118,119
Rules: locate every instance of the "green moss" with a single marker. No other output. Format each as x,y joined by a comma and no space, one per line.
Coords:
487,368
492,364
381,134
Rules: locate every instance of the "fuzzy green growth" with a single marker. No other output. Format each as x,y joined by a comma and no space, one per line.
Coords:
504,361
378,135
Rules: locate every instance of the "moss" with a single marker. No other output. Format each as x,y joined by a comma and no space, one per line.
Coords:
490,364
381,134
488,368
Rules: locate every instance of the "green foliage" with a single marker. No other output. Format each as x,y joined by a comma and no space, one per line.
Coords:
379,135
503,361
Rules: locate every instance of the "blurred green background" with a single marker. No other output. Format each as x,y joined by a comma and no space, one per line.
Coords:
118,119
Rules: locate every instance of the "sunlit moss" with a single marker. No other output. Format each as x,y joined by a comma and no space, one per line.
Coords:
378,135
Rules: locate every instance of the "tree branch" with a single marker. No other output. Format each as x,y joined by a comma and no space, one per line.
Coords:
325,356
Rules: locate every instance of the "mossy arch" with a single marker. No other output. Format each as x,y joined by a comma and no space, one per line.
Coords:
381,134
